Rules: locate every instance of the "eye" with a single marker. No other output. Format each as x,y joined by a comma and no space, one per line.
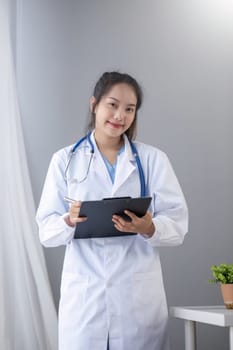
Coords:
112,104
130,109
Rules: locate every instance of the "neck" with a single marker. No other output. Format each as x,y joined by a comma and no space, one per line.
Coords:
111,143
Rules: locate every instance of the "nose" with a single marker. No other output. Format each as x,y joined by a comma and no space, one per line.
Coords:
119,115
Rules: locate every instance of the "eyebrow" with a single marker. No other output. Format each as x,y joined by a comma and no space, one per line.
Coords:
128,104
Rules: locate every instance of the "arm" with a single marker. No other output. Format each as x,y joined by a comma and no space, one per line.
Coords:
170,212
52,214
168,223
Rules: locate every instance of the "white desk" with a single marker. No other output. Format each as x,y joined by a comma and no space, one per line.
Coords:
213,315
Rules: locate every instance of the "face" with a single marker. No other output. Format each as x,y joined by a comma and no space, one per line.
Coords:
116,111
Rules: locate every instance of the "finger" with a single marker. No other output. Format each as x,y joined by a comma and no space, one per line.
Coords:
118,220
80,219
130,214
75,208
123,226
76,219
120,228
76,205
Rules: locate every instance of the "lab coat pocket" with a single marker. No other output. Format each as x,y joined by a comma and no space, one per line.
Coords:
147,297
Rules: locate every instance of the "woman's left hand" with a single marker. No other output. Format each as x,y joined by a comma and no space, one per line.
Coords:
143,225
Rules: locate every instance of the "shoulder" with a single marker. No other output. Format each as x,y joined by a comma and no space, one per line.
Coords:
62,154
155,162
81,147
149,151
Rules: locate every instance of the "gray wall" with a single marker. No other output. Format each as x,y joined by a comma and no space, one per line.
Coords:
181,52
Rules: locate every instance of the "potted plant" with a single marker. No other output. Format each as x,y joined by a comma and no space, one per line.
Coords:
223,274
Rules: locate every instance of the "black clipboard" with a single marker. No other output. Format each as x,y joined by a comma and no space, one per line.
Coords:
100,212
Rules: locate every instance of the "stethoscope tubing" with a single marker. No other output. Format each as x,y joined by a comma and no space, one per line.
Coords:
134,151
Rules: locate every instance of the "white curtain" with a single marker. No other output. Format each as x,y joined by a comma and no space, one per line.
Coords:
28,319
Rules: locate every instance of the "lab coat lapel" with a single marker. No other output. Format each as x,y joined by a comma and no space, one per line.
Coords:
125,166
100,169
98,165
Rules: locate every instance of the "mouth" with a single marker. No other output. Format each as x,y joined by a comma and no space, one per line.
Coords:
115,125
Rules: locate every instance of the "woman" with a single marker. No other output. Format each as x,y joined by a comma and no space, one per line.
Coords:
112,293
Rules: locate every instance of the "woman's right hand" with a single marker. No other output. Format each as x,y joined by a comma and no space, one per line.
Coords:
73,218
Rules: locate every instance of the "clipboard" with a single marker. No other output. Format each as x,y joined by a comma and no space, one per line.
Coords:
100,212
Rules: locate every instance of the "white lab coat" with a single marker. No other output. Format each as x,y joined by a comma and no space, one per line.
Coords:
112,286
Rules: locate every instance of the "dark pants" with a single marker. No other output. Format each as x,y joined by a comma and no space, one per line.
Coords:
108,344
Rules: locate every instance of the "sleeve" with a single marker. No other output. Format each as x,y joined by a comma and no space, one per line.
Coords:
169,208
53,230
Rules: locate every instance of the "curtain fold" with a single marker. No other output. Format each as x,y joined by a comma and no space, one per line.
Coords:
28,318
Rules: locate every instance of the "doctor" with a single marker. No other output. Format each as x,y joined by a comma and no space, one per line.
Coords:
112,292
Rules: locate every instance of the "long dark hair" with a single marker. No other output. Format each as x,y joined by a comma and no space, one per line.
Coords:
102,87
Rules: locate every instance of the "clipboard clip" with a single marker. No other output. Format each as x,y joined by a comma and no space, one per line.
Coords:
110,198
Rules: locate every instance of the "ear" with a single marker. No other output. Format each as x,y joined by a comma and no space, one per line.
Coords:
92,103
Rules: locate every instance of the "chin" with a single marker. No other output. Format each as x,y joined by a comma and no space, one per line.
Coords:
115,131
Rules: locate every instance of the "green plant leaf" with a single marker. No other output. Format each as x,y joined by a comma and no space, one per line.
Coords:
222,273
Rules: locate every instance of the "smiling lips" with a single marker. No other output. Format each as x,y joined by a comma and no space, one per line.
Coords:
115,125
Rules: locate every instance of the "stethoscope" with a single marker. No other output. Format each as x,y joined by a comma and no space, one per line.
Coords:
88,138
